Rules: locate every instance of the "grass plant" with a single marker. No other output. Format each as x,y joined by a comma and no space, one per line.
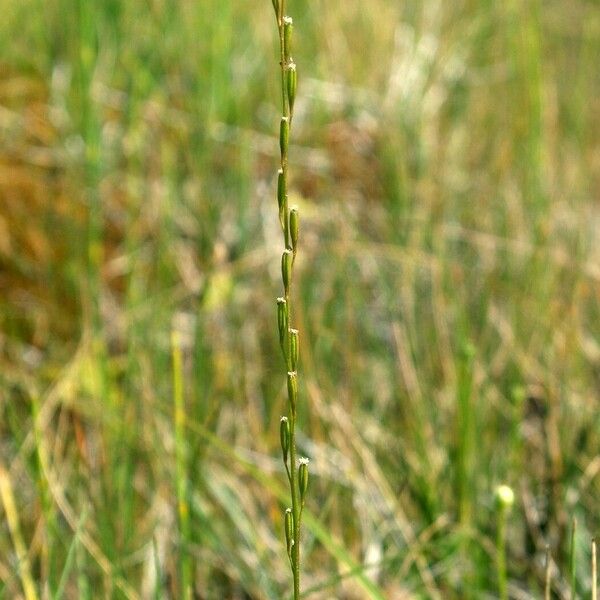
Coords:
7,497
573,561
296,468
444,161
186,581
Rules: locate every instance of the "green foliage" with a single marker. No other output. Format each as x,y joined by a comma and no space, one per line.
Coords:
444,162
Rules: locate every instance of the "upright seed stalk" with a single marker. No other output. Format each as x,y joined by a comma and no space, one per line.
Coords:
181,474
297,470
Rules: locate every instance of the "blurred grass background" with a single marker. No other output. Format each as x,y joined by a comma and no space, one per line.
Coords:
446,163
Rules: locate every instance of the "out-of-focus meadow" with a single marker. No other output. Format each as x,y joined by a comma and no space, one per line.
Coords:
446,164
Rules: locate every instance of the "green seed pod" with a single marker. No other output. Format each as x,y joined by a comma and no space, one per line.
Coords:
288,28
289,530
284,436
281,197
293,348
284,135
292,84
282,319
286,269
292,385
294,228
303,478
276,7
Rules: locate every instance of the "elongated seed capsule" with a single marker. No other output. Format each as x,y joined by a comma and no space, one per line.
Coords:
292,385
282,319
288,28
294,228
281,197
293,348
284,436
292,84
286,269
284,135
289,530
303,477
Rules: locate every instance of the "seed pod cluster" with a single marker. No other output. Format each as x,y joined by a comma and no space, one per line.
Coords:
297,470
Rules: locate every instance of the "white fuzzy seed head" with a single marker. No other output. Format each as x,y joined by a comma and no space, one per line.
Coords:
505,497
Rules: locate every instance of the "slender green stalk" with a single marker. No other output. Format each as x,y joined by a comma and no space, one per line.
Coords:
70,561
7,500
186,567
81,565
297,470
594,572
466,436
47,554
465,464
501,557
504,500
572,572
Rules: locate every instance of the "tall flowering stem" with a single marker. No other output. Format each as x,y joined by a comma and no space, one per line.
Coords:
296,469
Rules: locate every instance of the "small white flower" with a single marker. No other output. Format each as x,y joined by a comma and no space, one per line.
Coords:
505,497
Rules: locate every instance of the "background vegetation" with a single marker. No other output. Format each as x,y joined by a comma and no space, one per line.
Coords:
446,162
